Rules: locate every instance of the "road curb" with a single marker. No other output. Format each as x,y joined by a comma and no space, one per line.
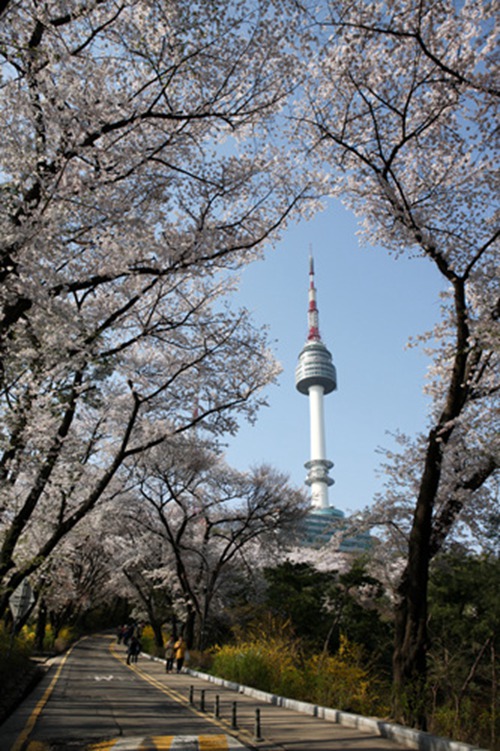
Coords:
417,739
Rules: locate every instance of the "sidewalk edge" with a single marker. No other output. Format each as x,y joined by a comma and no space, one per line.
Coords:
417,739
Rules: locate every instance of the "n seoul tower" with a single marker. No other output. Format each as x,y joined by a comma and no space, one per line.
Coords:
315,376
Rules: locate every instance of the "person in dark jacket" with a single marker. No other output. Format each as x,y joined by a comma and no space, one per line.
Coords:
134,647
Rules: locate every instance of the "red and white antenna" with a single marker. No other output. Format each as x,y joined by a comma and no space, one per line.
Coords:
312,314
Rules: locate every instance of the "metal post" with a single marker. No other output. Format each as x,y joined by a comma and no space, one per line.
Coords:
202,700
234,723
257,734
217,706
191,691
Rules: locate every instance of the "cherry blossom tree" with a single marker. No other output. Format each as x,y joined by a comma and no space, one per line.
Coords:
139,167
402,104
140,578
206,518
91,441
74,581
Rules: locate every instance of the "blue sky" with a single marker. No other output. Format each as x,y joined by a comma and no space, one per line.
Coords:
369,305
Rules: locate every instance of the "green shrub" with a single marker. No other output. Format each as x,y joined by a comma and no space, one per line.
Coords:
473,723
341,681
148,641
244,663
65,638
275,664
270,663
48,639
14,659
200,660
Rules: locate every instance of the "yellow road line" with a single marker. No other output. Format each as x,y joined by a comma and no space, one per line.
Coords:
162,742
154,682
212,742
28,728
172,694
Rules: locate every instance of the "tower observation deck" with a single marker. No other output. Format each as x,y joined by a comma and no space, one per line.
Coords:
316,376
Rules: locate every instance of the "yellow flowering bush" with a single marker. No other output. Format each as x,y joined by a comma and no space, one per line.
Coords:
276,664
270,660
341,681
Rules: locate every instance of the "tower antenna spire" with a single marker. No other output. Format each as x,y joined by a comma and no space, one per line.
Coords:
312,313
316,376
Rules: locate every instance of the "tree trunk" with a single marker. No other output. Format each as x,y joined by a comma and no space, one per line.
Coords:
201,631
188,630
410,647
175,633
411,640
410,652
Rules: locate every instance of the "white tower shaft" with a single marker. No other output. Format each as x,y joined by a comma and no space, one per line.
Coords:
317,422
319,487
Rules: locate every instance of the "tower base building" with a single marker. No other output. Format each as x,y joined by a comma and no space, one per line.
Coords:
322,525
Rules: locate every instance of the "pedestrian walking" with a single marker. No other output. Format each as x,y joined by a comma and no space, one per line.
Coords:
134,647
128,632
169,655
180,652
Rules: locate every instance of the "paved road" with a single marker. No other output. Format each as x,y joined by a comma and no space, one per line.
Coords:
92,700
